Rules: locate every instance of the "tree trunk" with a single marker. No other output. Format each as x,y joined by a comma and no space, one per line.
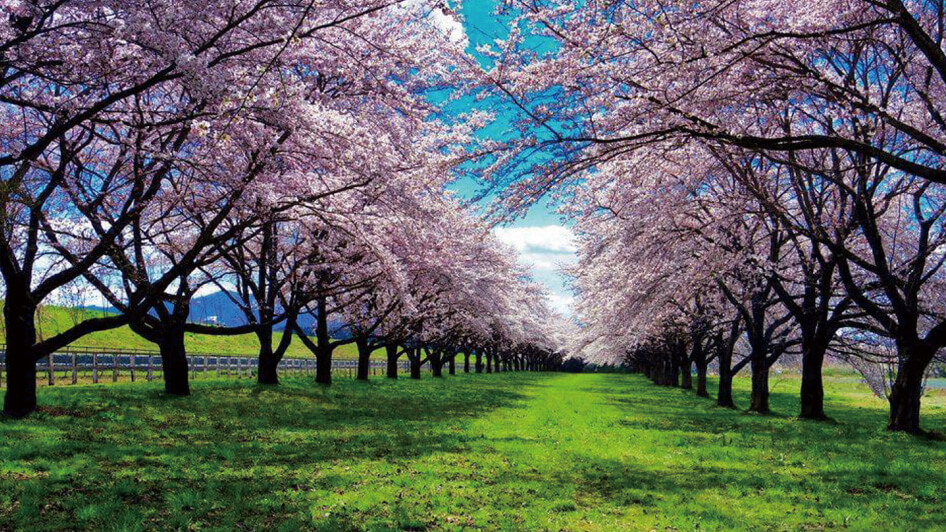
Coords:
812,385
364,358
391,351
701,381
496,363
907,389
466,362
19,317
268,363
452,365
323,366
724,394
759,398
415,365
673,369
323,355
699,360
686,371
174,358
436,367
479,362
489,361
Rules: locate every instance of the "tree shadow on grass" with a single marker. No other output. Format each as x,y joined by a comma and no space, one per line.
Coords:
187,459
703,465
745,496
676,404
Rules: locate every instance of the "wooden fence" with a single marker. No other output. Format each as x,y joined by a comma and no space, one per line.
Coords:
75,363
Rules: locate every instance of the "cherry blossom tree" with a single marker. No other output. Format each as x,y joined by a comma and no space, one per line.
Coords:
180,111
103,97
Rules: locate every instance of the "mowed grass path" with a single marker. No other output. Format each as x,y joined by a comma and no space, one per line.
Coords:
508,451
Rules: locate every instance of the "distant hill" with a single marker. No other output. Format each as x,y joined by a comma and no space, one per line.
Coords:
53,320
218,309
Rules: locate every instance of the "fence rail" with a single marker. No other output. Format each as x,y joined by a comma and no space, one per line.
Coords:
98,364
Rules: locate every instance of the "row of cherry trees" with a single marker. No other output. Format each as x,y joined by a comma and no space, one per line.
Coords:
751,177
285,152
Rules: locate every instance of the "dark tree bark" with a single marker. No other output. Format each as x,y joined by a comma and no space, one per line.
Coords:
452,364
489,360
322,348
364,357
323,365
698,355
671,370
434,358
908,388
686,373
812,385
701,381
416,362
479,361
267,370
20,315
759,397
268,364
466,362
174,355
391,350
724,394
167,330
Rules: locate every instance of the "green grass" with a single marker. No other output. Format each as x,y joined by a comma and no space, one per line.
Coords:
53,320
507,451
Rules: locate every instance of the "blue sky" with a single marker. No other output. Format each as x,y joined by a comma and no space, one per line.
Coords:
541,239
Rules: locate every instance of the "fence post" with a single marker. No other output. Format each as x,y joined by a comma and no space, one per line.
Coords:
131,370
52,369
115,367
150,369
75,369
95,368
217,364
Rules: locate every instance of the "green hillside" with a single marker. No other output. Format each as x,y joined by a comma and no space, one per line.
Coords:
52,320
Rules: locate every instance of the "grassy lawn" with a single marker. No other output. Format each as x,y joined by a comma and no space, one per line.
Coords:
508,451
52,320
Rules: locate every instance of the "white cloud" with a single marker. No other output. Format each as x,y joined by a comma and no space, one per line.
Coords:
540,239
547,261
545,249
450,25
562,303
442,17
